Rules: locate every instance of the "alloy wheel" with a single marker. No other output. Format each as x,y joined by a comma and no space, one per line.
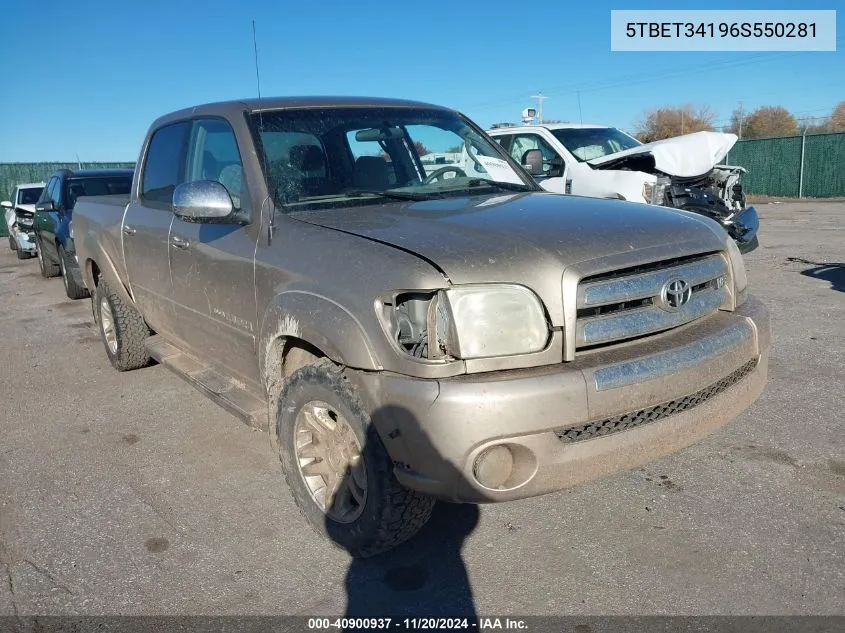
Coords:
329,459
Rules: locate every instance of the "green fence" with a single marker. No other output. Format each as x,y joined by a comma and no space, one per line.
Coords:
12,174
810,166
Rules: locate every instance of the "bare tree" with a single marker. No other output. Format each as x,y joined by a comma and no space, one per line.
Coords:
674,121
768,121
739,123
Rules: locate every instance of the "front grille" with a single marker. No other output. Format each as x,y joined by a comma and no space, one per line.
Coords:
652,414
628,304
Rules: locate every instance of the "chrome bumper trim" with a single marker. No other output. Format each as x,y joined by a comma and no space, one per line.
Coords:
685,357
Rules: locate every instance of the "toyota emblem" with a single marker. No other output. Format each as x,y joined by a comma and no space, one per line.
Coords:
675,293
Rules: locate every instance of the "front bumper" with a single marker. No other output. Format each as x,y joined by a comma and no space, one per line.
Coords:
25,239
562,423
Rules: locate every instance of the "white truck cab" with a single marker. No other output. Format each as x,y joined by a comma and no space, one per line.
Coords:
604,162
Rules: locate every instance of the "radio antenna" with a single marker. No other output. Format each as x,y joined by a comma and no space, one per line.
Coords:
255,49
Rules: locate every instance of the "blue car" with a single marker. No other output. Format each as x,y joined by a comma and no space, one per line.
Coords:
53,213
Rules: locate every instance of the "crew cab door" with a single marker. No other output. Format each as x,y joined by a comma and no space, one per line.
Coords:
146,227
212,264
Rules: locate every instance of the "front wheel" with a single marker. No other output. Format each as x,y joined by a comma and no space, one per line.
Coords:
122,329
13,245
337,468
73,290
48,267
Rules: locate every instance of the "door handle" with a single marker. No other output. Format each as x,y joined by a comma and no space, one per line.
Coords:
178,242
128,230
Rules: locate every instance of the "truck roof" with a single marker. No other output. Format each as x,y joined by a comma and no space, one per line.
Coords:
30,185
552,126
265,104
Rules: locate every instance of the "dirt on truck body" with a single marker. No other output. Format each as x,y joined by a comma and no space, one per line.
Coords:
456,334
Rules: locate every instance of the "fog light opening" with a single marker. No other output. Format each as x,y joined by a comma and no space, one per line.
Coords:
494,466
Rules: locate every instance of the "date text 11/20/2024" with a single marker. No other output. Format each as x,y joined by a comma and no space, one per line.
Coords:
418,624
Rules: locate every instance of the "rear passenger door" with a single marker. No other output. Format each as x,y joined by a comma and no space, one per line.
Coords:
212,264
146,227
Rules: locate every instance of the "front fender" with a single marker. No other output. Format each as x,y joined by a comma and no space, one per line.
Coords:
320,322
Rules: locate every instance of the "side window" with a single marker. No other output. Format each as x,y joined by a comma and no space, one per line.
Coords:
504,140
163,165
524,142
213,155
52,190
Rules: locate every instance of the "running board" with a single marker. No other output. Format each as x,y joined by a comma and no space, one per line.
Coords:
236,399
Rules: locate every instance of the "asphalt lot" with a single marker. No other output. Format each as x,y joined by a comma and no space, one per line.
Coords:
133,494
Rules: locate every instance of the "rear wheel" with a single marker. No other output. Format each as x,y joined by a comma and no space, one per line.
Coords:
122,329
72,289
48,267
337,468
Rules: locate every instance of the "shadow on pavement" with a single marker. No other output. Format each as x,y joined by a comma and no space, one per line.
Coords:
831,272
423,577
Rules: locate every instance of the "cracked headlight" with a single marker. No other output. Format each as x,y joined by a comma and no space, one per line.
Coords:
738,273
655,193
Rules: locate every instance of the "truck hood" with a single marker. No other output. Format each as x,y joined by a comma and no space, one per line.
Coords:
525,238
26,207
683,156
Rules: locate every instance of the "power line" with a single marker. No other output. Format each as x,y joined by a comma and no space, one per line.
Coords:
651,76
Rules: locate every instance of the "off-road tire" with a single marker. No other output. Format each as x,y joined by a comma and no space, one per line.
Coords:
392,513
73,290
130,331
13,245
22,254
48,267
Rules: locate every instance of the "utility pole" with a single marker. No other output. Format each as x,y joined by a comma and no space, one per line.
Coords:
539,97
740,119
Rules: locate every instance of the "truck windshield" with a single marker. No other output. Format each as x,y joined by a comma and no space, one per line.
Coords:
29,195
340,157
587,143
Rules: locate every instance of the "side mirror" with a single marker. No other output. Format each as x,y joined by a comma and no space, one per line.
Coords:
532,160
557,167
47,205
6,204
202,201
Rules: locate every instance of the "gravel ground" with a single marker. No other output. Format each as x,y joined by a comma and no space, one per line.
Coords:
132,494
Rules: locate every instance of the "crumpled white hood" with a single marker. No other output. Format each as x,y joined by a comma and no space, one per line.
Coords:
684,156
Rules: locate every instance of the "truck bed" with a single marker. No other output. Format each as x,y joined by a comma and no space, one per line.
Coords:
97,222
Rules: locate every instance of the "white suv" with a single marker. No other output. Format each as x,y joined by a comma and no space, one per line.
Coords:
19,216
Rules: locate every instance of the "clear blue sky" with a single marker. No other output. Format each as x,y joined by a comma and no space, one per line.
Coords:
87,77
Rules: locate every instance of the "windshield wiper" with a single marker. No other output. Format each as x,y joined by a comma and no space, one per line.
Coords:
507,186
396,195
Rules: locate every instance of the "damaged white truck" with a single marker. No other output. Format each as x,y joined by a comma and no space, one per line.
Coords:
604,162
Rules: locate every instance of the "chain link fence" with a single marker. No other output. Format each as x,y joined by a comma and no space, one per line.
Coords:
811,166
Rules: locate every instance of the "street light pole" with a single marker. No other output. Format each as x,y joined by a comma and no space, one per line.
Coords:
539,97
